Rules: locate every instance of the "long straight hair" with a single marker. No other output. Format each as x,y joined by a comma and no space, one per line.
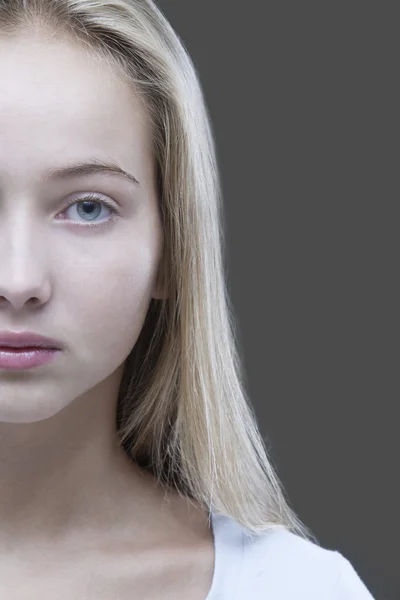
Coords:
183,413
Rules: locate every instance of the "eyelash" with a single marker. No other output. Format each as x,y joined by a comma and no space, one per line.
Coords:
95,198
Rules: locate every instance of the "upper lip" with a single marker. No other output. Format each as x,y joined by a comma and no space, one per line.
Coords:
27,339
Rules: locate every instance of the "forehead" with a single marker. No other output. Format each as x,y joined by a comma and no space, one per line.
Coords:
57,99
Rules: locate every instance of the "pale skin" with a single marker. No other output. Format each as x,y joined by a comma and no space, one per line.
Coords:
77,518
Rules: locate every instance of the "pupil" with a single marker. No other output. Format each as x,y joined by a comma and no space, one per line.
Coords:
89,208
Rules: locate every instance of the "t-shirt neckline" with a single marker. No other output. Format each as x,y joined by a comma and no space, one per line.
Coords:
229,550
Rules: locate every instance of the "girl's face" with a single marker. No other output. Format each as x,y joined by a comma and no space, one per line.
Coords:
88,287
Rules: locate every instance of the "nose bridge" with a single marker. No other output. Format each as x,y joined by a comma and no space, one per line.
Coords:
23,257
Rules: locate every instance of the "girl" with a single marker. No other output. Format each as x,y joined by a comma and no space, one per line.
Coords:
131,462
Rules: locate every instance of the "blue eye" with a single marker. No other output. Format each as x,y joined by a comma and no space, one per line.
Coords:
89,208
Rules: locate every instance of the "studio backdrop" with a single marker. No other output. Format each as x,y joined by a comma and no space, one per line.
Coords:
301,100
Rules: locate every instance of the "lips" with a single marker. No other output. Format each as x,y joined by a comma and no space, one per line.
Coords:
22,348
27,339
24,358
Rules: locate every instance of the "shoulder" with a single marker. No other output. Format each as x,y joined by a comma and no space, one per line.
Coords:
281,565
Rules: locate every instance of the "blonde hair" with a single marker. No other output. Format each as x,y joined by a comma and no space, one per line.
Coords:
183,413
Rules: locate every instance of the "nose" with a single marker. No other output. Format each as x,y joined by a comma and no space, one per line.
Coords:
23,270
19,296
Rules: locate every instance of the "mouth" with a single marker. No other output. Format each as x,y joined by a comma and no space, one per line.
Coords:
26,357
25,348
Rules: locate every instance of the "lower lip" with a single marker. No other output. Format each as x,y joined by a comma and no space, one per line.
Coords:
25,358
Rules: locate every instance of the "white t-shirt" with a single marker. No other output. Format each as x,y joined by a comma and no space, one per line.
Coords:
278,565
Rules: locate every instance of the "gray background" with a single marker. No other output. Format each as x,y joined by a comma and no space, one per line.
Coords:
302,101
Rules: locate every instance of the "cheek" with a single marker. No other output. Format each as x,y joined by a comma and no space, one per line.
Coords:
108,302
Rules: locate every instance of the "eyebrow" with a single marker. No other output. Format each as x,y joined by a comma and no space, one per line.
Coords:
87,168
